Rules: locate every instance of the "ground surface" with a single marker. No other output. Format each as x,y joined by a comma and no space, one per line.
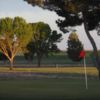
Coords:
48,84
49,89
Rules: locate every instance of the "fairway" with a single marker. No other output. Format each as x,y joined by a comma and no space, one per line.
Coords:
49,89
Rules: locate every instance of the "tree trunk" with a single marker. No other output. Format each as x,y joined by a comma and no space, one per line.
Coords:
95,51
39,61
11,64
39,56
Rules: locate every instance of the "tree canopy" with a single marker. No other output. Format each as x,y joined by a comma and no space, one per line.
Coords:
43,40
72,11
75,47
14,34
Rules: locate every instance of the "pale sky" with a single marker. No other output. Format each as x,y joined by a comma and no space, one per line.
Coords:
12,8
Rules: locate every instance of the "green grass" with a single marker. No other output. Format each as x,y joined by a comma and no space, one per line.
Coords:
49,89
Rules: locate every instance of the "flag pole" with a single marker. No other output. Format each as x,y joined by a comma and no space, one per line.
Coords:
85,72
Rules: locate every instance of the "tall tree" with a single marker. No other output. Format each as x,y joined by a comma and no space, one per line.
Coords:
14,34
75,48
43,40
76,12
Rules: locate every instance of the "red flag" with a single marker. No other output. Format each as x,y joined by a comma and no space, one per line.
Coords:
82,54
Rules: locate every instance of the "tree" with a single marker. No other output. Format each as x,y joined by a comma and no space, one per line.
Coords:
30,51
76,12
14,34
43,40
75,47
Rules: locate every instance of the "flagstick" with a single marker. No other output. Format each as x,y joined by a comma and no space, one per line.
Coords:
86,83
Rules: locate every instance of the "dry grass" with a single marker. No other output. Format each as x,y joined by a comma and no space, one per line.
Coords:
77,70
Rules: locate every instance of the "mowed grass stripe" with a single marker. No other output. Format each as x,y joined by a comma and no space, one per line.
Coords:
77,70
